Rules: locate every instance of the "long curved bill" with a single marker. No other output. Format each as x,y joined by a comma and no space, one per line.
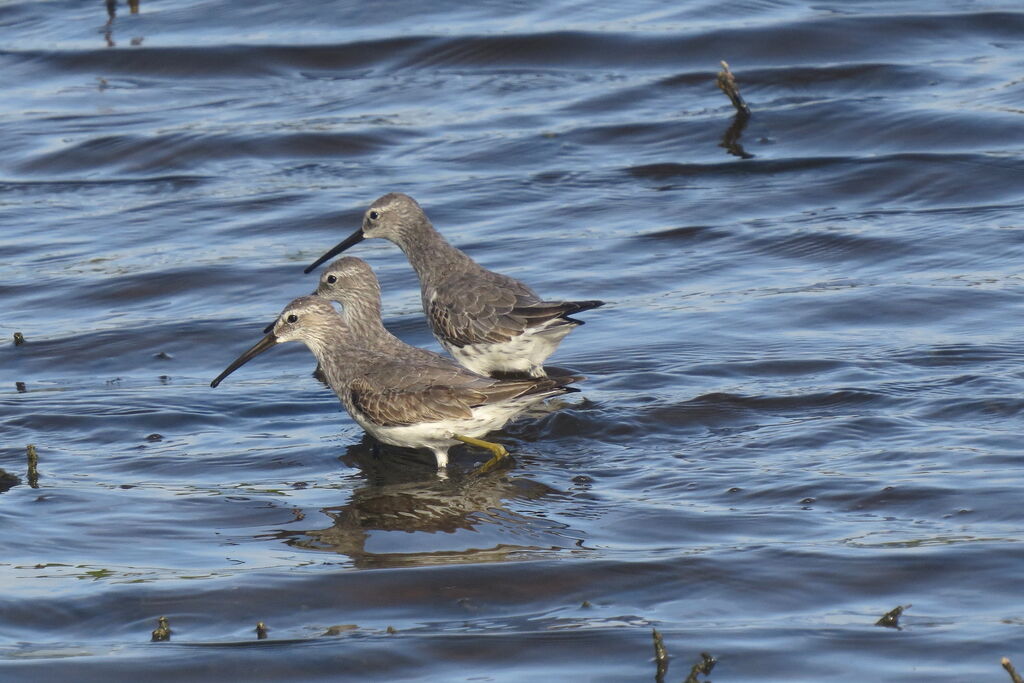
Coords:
260,346
352,240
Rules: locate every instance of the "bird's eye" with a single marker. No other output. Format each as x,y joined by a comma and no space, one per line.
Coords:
332,279
293,318
374,215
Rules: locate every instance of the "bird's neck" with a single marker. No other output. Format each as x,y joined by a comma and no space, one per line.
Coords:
325,341
430,254
363,315
342,356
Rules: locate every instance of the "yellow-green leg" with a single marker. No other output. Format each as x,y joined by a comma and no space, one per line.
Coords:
497,449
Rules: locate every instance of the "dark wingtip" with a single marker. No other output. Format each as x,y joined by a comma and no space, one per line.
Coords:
559,383
578,307
567,379
587,305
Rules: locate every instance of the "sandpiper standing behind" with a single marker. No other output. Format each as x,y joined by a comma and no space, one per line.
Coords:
394,395
489,322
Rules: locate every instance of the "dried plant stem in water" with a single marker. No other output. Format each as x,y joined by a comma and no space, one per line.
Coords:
1014,676
660,656
33,466
727,82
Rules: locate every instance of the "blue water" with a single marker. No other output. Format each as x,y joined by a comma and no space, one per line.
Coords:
804,397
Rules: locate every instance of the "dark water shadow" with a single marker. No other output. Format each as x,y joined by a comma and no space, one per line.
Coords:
108,28
731,137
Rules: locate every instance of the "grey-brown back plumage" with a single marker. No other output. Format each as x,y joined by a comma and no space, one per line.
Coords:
438,398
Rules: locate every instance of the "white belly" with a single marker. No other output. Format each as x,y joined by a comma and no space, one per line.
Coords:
525,353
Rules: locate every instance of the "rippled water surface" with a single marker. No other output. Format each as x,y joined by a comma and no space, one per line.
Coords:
805,396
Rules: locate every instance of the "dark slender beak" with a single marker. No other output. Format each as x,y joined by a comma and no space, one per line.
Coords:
260,346
351,240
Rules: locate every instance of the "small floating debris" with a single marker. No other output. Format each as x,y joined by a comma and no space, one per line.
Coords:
33,466
392,630
660,656
261,630
7,480
339,629
155,437
891,619
19,339
20,386
1014,676
163,356
162,631
704,666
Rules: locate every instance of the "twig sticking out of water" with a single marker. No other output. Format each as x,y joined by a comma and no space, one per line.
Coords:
731,138
261,630
660,656
1014,676
33,466
891,619
162,630
704,666
727,82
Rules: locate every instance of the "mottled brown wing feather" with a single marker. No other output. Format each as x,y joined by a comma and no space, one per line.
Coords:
498,323
394,407
478,308
462,317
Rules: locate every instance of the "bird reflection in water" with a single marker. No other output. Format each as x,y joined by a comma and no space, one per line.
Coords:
397,497
108,28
